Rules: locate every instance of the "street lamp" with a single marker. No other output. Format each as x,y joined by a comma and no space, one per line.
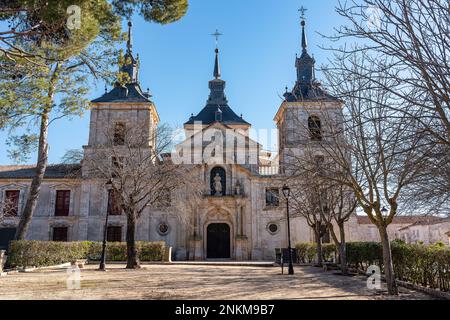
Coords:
102,267
286,192
384,212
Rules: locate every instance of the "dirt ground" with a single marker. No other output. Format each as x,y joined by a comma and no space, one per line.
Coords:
192,282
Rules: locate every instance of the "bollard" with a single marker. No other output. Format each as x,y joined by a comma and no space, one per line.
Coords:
2,259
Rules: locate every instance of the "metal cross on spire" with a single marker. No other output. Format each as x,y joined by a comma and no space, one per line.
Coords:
217,35
302,11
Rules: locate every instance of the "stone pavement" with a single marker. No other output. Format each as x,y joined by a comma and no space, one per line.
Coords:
192,281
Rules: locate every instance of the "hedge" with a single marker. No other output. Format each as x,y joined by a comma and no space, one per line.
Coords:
361,255
428,266
26,253
307,252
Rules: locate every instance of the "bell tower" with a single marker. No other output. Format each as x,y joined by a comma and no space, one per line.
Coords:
124,107
307,110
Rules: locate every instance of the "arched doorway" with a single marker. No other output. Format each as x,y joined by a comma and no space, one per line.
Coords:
218,241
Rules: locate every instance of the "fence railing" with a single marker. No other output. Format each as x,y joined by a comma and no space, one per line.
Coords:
269,170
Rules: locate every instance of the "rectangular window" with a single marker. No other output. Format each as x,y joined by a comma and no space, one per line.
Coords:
165,199
60,234
272,197
119,134
117,167
11,205
114,234
62,203
114,208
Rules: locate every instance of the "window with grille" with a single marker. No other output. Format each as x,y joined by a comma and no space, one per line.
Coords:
315,128
119,134
11,205
62,203
272,197
114,207
60,234
114,234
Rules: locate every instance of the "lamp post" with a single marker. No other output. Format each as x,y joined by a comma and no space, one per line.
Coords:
286,192
102,266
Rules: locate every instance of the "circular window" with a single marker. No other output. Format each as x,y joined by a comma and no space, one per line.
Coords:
272,228
163,229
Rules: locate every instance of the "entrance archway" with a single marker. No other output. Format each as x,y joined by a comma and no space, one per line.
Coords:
218,241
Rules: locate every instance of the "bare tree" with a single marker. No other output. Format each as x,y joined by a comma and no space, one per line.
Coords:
308,192
324,203
416,35
134,161
377,151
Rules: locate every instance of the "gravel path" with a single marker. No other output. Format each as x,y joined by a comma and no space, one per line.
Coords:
193,282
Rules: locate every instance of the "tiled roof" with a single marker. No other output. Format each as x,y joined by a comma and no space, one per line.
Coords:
402,219
57,171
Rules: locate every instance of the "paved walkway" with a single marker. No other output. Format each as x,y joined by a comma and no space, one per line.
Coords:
192,282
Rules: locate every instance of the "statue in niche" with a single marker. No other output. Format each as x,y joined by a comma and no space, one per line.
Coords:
218,185
238,188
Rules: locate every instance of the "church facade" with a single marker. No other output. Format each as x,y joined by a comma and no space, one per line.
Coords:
241,216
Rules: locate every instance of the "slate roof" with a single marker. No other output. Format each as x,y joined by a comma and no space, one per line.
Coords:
308,92
57,171
131,92
208,115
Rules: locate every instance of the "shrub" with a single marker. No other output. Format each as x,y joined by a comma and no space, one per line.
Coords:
328,251
307,252
364,254
42,253
302,249
46,253
428,266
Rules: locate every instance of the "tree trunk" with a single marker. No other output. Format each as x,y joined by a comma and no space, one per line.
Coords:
387,261
33,196
342,250
132,252
41,165
319,249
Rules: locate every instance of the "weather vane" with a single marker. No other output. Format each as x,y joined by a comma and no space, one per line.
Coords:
217,34
302,11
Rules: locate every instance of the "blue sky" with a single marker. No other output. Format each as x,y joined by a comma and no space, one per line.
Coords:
261,38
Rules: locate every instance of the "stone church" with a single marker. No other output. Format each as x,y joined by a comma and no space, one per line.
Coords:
241,217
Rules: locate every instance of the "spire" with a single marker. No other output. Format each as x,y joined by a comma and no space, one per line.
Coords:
131,65
304,64
216,65
130,39
302,11
304,41
216,74
217,86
